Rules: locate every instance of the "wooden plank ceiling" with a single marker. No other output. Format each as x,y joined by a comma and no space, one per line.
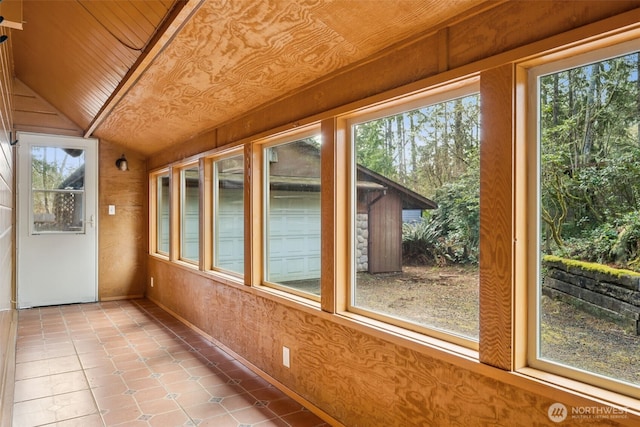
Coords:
147,74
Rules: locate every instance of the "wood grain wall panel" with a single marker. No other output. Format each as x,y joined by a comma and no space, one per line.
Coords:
11,10
517,23
233,56
469,40
399,67
122,251
496,212
181,152
357,377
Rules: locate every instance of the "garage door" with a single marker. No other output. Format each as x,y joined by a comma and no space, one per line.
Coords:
293,236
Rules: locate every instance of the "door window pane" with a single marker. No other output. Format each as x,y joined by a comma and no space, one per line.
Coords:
162,212
228,216
292,215
416,217
190,214
57,190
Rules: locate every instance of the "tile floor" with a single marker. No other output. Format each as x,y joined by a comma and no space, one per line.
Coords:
129,363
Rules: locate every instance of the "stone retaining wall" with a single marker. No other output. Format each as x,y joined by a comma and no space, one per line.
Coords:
615,297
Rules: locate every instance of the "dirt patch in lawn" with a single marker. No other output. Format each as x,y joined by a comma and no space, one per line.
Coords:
439,297
575,338
446,298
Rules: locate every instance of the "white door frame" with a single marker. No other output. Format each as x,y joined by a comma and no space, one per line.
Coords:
56,268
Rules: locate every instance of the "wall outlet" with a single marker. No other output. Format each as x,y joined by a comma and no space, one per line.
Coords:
152,282
285,357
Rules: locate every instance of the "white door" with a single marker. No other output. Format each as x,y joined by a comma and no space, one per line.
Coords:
57,220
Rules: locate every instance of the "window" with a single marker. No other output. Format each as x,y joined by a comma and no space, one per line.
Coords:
228,216
163,205
586,247
190,214
415,205
292,215
57,190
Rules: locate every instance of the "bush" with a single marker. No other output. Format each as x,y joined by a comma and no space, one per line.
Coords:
420,243
615,244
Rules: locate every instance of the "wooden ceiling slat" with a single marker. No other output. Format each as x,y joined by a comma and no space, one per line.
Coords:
123,21
154,11
74,55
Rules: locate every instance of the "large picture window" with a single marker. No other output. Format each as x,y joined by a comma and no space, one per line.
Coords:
228,215
585,303
415,186
292,216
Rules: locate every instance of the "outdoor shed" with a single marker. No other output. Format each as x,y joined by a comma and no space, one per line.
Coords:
379,220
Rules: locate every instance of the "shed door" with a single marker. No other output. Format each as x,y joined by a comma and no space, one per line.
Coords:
385,235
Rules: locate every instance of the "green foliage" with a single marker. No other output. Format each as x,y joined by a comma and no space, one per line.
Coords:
451,233
421,243
590,174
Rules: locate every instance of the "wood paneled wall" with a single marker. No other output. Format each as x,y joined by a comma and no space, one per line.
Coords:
122,240
34,114
353,372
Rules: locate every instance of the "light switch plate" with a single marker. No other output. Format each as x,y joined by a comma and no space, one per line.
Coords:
112,209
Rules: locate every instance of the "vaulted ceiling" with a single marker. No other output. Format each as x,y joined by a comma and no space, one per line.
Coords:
148,74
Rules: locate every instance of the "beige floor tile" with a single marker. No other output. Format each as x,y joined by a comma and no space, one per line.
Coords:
140,367
39,368
38,387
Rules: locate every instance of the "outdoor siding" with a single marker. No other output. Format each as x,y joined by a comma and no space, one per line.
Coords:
385,234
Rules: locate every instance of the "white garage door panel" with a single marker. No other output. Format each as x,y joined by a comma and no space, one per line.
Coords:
294,236
230,231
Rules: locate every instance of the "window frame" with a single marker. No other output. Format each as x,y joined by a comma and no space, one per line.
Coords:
446,92
154,237
534,71
181,200
260,147
211,191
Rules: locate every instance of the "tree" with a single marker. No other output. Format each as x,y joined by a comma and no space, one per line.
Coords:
589,146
